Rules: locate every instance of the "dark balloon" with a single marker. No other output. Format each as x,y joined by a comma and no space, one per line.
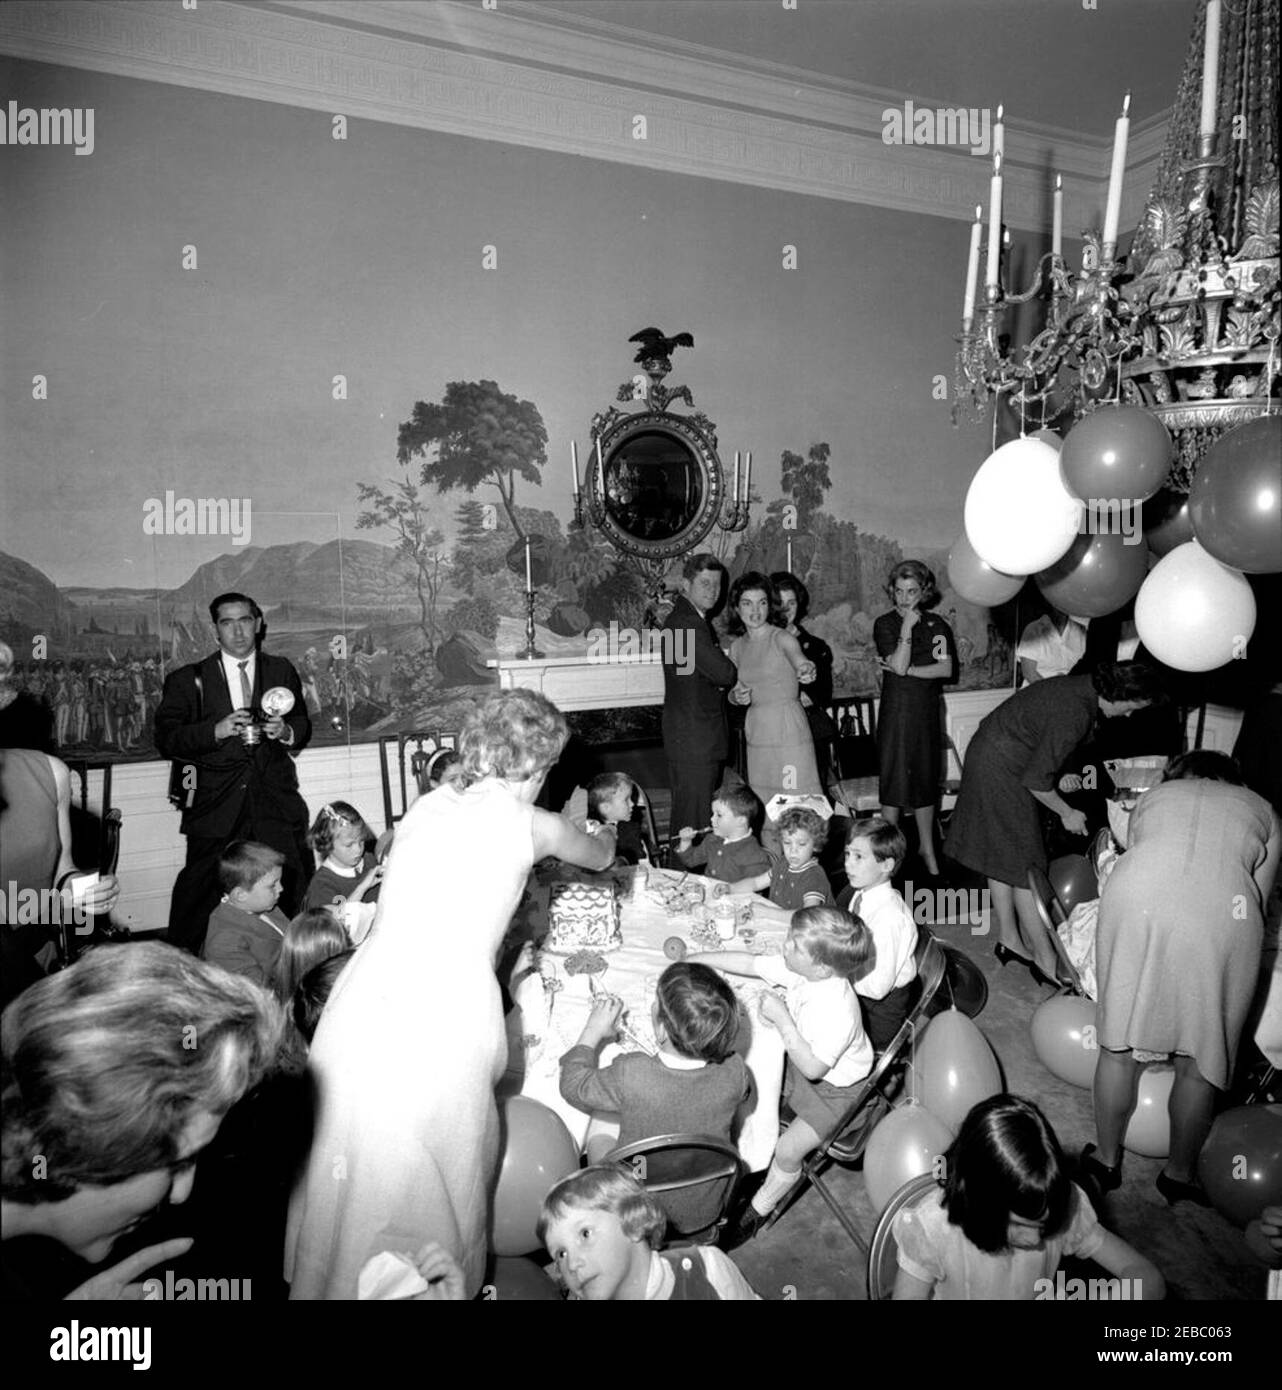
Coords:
1235,503
1166,521
1118,453
1073,879
1097,575
976,580
1241,1162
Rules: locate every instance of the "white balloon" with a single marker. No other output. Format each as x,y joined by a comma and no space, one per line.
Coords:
1192,612
1020,517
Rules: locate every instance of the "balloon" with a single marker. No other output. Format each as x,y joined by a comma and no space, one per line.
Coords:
1235,502
903,1146
1051,438
976,580
1064,1040
1097,574
1073,879
1241,1162
537,1152
1118,453
955,1068
520,1281
1019,515
1194,613
963,987
1166,522
1149,1130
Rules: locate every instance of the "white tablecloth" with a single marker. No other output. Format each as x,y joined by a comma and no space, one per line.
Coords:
556,1018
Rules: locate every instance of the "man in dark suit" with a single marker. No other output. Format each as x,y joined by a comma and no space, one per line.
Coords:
234,790
696,675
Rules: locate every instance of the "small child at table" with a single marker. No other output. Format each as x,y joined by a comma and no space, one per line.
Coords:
612,801
348,876
246,928
443,769
694,1086
731,852
828,1051
796,880
1005,1213
874,851
603,1230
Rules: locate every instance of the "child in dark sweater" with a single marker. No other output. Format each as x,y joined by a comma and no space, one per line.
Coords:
347,877
796,880
246,929
694,1086
732,852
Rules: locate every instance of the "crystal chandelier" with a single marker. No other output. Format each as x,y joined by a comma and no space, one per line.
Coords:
1186,326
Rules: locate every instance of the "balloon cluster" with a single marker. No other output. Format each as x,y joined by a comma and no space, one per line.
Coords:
537,1153
954,1069
1071,516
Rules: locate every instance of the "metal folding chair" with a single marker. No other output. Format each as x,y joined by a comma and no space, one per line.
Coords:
883,1264
1052,915
672,1163
872,1101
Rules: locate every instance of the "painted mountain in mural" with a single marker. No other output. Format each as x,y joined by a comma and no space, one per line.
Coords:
31,604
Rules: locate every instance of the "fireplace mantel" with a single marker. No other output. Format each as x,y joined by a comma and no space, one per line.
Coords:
583,682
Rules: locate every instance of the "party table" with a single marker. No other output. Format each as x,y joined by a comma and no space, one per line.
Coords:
552,1005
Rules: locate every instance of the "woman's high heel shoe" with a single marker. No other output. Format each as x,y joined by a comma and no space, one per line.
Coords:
1106,1179
1176,1191
1005,955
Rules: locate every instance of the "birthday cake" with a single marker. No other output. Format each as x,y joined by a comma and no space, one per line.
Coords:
583,917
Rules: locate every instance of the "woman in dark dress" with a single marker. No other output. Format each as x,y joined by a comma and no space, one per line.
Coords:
1013,764
918,655
794,604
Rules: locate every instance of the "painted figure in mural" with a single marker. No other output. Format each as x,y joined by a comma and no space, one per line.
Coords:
771,669
244,790
918,656
696,675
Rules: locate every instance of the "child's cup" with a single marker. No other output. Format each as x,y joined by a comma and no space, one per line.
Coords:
723,916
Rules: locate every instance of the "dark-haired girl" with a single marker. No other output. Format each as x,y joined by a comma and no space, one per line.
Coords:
1005,1215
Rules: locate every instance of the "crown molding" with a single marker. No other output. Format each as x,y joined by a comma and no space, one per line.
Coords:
511,77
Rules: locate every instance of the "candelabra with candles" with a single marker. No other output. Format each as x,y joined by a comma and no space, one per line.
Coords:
1187,325
734,516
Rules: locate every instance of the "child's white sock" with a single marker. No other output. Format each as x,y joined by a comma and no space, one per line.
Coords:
778,1183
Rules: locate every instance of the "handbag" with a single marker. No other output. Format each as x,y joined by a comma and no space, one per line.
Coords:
856,747
180,794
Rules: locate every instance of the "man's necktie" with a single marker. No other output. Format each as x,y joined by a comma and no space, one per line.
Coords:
246,694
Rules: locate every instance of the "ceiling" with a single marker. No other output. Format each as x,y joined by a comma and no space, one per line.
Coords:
1051,62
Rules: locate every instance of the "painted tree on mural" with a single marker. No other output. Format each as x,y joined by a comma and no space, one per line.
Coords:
477,436
805,481
404,512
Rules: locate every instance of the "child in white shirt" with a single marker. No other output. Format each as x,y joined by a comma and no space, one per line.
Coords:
874,851
828,1051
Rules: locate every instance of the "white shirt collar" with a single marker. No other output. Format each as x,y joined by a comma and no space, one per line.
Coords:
335,867
678,1062
231,665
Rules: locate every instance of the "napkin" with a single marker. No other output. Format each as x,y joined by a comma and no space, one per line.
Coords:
390,1275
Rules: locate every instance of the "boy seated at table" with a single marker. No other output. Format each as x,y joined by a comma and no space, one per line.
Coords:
603,1229
874,851
610,799
828,1051
796,880
246,928
731,852
694,1086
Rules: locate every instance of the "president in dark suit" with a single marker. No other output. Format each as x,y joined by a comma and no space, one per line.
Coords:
696,676
238,790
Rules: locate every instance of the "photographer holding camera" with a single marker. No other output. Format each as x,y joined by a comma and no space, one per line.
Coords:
234,762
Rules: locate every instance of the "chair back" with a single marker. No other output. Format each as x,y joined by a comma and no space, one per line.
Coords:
412,749
1050,912
699,1167
883,1264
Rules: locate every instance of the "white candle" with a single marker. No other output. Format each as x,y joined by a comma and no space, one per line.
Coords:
1057,220
1211,67
529,578
574,466
736,477
972,268
1113,207
788,567
999,134
747,479
994,225
600,469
